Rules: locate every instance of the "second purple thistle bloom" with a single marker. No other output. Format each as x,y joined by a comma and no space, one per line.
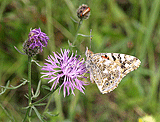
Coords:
36,40
65,69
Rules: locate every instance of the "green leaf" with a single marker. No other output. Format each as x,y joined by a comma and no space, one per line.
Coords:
46,87
52,114
40,104
38,114
26,96
14,87
4,89
25,107
30,111
38,89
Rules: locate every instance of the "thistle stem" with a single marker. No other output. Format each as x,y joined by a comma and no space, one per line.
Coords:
27,113
49,101
45,97
29,79
79,25
29,87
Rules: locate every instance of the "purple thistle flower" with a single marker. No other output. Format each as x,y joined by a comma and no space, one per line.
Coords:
66,70
36,40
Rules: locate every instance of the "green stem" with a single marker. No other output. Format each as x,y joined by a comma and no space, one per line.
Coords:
45,97
29,84
59,107
49,101
74,101
27,113
29,79
79,25
29,87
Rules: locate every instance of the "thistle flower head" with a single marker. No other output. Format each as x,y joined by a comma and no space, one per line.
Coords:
36,40
83,12
66,70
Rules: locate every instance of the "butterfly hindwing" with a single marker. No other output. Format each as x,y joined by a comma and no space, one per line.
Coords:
108,69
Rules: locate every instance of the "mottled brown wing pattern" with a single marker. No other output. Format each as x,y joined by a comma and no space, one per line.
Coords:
108,69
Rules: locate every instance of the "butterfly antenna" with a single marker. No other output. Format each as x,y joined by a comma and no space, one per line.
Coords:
90,38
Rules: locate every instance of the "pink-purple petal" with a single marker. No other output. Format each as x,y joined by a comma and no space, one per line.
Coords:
61,66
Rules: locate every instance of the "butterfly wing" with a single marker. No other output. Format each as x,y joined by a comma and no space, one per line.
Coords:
95,72
108,69
117,66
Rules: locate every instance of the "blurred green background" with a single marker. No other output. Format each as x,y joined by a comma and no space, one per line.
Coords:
123,26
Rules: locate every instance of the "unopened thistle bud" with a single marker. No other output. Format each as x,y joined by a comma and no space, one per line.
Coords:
83,12
36,40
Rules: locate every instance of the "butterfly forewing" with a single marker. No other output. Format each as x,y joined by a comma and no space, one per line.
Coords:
108,69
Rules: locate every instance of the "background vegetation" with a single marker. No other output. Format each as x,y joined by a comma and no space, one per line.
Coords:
124,26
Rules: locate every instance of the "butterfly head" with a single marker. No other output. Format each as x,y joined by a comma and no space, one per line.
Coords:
88,53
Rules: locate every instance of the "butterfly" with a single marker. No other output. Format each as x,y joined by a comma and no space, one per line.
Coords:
108,69
86,11
83,11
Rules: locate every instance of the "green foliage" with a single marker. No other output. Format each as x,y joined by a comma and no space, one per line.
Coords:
131,27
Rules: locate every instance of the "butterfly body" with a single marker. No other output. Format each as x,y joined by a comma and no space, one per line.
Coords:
108,69
87,10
